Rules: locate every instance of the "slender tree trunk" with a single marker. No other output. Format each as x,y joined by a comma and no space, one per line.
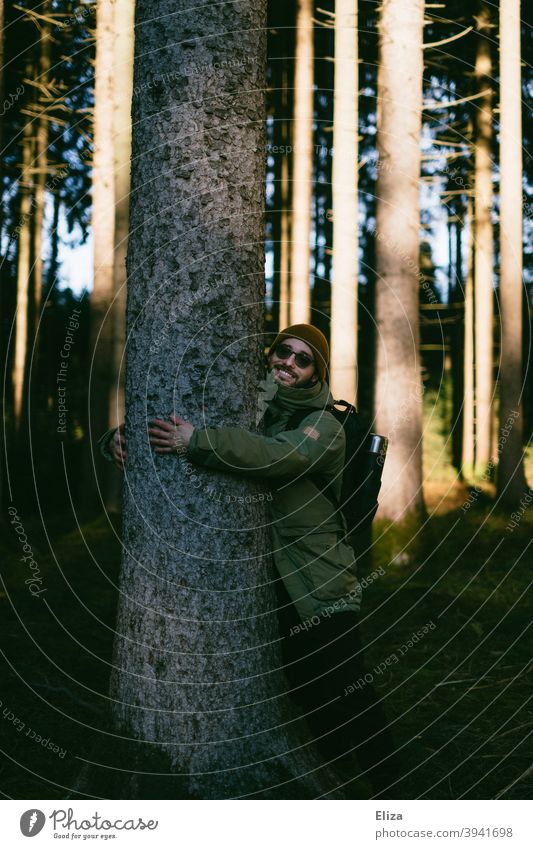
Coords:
102,387
468,378
23,270
123,85
302,172
195,672
511,478
41,163
284,248
343,332
457,343
398,397
484,250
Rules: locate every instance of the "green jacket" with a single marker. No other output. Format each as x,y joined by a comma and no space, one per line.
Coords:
317,566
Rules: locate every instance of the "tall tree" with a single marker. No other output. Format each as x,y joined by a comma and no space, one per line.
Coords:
511,478
195,674
111,182
343,330
41,160
103,316
398,396
26,195
483,241
467,453
302,171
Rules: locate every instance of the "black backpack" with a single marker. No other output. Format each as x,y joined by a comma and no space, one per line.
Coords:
363,466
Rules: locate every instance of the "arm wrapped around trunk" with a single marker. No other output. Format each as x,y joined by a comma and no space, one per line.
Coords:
312,447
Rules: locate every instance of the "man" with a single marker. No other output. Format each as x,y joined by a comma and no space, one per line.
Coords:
319,594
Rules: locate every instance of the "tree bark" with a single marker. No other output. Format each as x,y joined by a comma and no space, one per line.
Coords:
468,364
343,333
122,91
484,250
102,387
398,397
24,226
511,478
195,684
302,172
41,163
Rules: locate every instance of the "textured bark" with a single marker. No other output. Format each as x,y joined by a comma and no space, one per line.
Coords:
511,478
468,365
302,174
343,332
196,666
398,398
484,251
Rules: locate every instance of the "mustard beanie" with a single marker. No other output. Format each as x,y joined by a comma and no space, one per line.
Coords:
313,337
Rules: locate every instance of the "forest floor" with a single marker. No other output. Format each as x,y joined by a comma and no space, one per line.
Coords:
458,697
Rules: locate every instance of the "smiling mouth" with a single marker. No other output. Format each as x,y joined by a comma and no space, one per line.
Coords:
281,370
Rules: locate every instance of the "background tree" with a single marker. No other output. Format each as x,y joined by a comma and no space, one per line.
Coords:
483,241
398,397
302,172
344,292
511,478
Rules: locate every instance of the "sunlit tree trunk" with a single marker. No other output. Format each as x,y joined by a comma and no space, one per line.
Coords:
123,85
24,226
511,477
195,675
102,387
41,164
468,362
302,172
398,396
484,250
343,331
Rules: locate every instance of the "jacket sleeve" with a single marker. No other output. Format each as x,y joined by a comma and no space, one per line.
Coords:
285,456
103,442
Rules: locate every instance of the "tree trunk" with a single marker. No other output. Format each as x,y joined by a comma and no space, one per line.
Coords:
457,342
468,365
41,163
102,389
511,478
24,228
302,172
484,251
196,667
284,247
398,398
123,85
343,331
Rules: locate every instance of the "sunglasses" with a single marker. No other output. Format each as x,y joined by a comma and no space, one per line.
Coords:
283,352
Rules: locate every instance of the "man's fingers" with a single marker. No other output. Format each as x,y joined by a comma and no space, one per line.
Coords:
162,425
161,442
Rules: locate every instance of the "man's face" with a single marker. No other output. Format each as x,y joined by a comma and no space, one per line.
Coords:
286,371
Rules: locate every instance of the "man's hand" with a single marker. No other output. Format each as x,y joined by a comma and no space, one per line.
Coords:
117,447
168,437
